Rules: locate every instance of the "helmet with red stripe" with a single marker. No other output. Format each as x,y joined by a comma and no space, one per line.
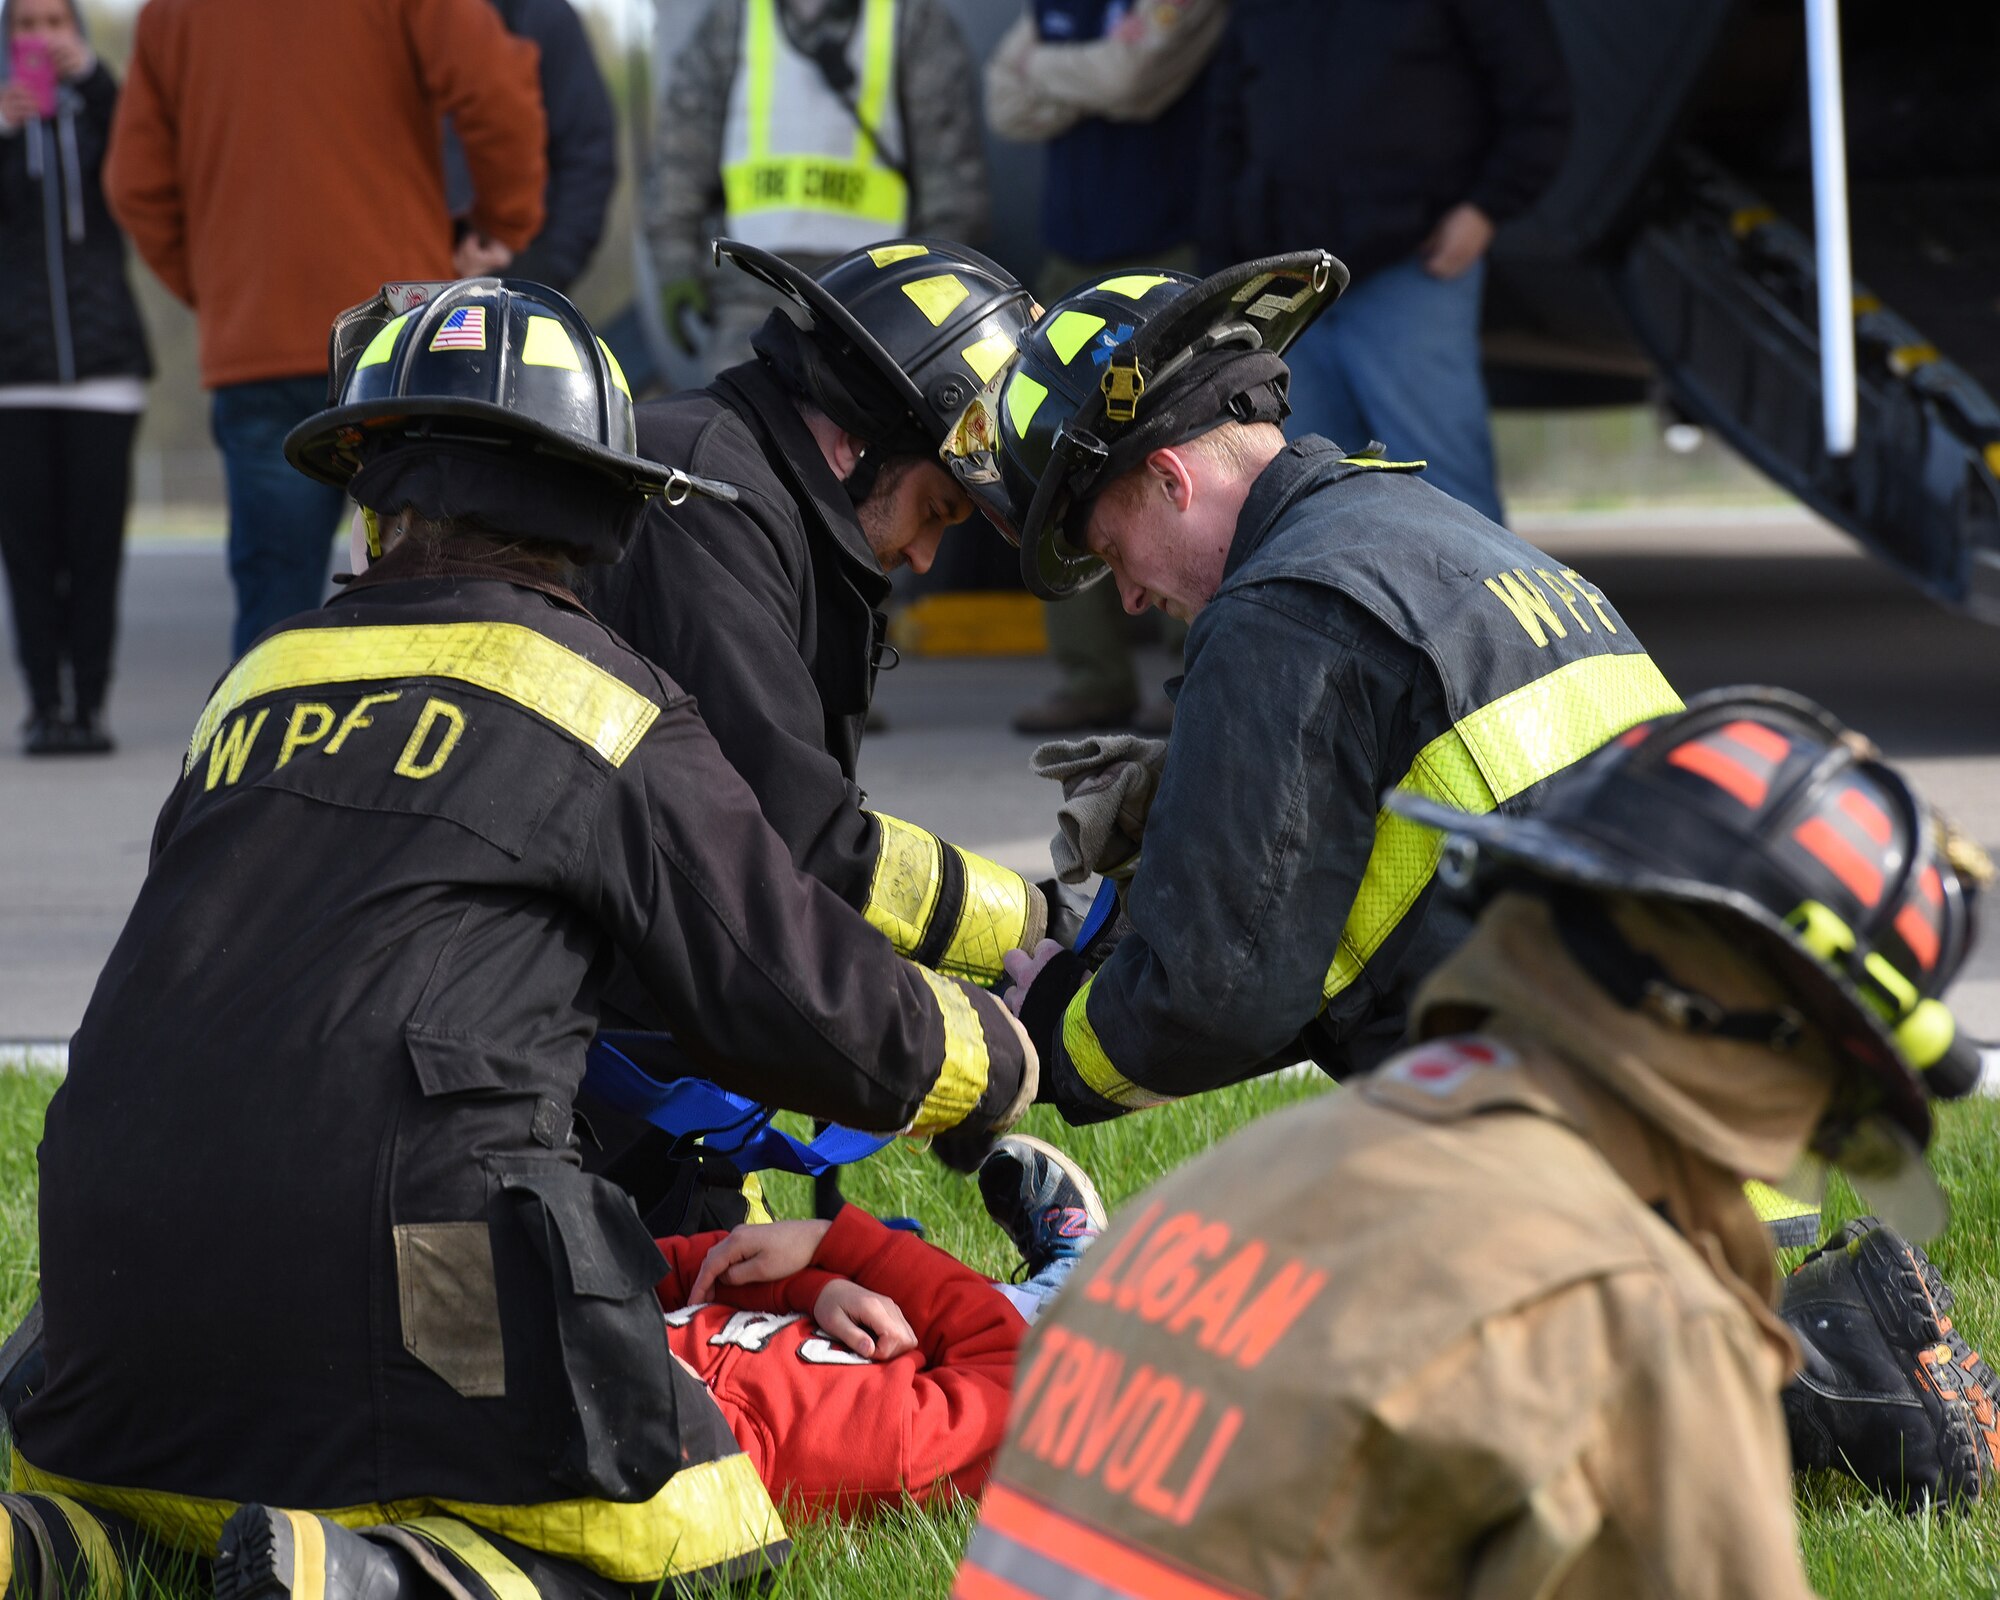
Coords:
1763,809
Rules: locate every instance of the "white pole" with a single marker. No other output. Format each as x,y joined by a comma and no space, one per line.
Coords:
1835,262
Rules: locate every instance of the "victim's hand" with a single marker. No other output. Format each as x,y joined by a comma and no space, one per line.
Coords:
758,1252
868,1323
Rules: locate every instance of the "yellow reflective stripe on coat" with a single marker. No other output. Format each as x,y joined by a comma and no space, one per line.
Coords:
578,696
992,919
1093,1066
1487,758
904,891
705,1516
962,1075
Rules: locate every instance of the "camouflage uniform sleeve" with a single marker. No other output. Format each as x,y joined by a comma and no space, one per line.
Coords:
942,130
684,181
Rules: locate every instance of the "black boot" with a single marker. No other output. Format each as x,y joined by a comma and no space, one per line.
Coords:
1890,1393
56,1548
268,1552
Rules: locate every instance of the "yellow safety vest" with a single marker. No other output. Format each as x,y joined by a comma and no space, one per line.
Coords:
798,173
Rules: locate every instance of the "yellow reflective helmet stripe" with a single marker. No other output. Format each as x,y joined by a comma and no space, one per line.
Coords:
992,919
1024,399
989,355
706,1515
887,255
578,696
1070,331
1487,758
963,1074
383,345
500,1575
1134,285
904,890
1093,1066
617,371
548,344
937,298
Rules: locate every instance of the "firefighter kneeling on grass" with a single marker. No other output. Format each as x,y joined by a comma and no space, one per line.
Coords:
313,1231
1498,1321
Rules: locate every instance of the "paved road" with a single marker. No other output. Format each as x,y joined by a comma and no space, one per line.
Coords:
1720,602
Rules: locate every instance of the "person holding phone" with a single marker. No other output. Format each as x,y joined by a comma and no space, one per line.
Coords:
73,370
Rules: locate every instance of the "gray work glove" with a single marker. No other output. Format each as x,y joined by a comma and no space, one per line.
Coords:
1108,783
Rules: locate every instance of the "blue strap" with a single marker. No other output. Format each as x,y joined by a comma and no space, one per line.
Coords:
689,1107
1102,910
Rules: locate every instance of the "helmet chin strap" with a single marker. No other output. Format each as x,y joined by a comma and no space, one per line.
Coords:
860,482
1638,982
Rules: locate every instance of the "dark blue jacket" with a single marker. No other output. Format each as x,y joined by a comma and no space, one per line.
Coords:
1117,191
583,144
1370,632
1354,125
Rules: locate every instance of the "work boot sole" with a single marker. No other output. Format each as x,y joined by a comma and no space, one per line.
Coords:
264,1551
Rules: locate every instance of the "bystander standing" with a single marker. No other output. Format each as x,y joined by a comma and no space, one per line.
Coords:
274,164
1115,90
582,154
808,128
1402,137
73,366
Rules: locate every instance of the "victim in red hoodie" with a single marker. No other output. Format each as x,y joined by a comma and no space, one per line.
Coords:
832,1429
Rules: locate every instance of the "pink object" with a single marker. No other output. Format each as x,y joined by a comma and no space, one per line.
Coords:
35,71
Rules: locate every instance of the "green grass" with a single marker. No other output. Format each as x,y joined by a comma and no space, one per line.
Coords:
1855,1548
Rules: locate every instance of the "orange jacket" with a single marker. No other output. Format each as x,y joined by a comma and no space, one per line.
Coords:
276,163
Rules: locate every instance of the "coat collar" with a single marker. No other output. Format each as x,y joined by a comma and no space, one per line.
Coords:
773,416
1294,471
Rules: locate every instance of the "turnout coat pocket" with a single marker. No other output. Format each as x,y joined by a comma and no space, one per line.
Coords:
575,1269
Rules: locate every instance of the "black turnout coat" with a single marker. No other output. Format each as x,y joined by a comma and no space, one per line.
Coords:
313,1229
769,611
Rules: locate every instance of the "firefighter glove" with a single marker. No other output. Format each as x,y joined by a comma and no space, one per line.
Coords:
1108,784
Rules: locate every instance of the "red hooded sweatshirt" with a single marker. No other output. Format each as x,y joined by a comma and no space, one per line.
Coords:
833,1429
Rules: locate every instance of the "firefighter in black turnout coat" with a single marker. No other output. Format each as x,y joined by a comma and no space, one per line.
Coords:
314,1234
767,608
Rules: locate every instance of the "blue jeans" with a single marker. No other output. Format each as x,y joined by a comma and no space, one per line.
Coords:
281,523
1397,359
1032,1296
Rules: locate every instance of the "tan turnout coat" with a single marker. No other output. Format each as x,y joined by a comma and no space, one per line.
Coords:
1418,1339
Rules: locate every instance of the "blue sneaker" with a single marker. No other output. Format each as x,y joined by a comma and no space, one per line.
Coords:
1042,1200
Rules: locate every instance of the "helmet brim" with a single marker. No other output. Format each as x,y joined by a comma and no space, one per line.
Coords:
1563,855
328,445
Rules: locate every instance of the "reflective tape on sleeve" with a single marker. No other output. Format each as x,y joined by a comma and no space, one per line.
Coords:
944,907
992,918
1488,757
962,1075
904,891
1086,1054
